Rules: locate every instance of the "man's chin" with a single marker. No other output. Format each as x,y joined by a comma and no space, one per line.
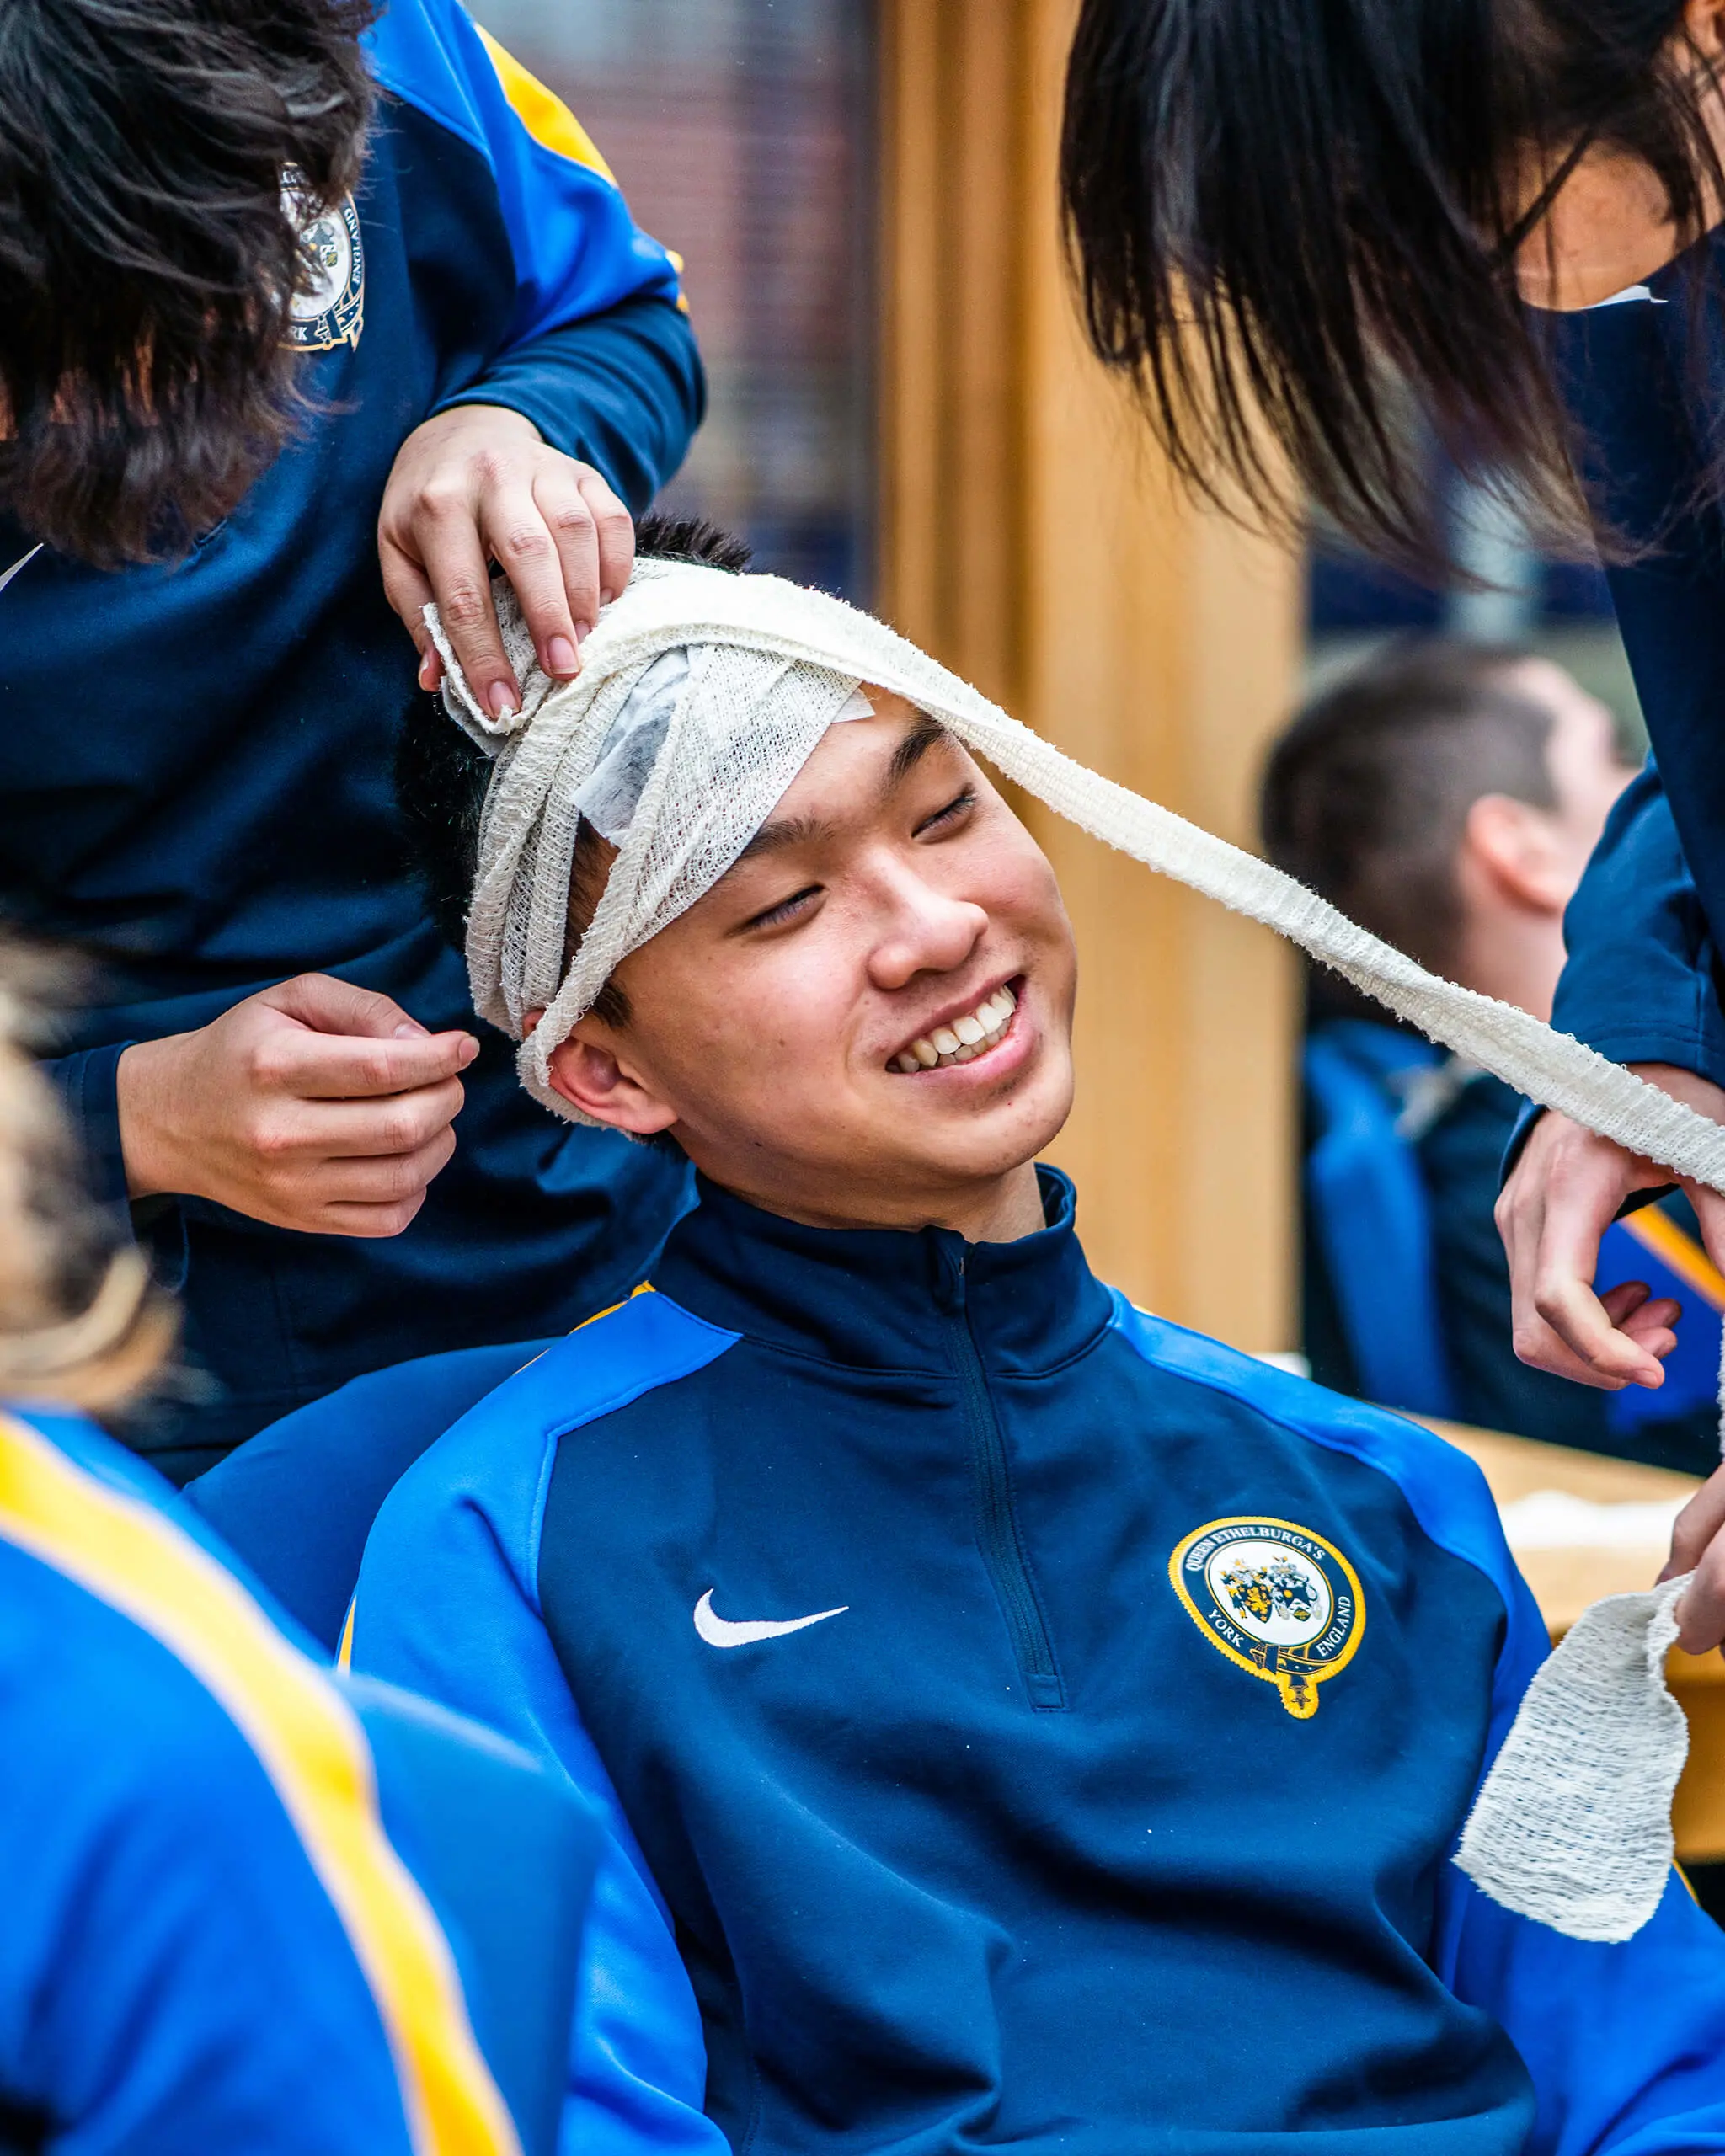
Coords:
963,1155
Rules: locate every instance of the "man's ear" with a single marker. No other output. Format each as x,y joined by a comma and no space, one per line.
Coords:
1514,844
589,1076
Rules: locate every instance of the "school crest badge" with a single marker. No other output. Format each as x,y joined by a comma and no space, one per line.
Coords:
331,309
1273,1597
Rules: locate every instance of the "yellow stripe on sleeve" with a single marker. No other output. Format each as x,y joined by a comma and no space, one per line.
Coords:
610,1309
542,112
1655,1231
308,1741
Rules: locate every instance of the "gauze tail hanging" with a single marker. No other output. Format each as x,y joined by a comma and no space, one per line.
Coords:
1572,1824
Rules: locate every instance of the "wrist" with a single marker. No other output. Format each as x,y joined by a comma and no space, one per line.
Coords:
1689,1086
142,1081
475,409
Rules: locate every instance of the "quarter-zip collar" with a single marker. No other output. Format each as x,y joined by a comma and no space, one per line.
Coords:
879,1298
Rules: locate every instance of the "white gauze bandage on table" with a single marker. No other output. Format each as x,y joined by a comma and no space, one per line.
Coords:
701,694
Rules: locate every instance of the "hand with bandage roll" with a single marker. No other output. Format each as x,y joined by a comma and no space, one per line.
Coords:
314,1105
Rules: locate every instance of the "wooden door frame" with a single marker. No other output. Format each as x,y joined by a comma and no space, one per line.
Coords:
1030,537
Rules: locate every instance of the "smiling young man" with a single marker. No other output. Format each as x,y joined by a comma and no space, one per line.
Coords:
1020,1722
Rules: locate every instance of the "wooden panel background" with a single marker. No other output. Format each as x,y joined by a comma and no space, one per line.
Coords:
1030,539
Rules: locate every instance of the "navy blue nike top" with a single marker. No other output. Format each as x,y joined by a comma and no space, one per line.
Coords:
195,761
1643,931
1022,1724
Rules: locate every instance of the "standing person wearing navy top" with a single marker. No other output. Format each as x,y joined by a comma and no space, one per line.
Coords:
1506,216
283,289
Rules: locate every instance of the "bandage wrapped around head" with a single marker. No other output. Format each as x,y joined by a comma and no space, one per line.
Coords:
701,694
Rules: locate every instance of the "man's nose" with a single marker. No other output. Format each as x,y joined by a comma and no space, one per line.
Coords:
930,931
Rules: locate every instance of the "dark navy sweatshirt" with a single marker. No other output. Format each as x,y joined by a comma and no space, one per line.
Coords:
1022,1724
1643,377
195,761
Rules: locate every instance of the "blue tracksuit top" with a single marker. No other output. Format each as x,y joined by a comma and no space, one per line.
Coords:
208,1946
1643,930
1022,1723
196,760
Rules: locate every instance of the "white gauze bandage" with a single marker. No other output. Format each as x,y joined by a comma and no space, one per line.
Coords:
729,683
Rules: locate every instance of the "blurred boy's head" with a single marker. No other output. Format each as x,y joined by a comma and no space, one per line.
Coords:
1447,798
865,1020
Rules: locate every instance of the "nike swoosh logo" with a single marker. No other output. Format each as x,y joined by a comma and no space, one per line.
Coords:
719,1632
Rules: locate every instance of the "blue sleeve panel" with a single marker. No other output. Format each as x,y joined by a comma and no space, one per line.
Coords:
175,1974
577,250
1606,2075
298,1501
448,1606
600,356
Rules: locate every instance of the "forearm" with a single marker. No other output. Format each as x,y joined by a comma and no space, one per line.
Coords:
623,391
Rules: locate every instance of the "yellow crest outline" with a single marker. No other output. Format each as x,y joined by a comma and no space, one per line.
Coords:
1297,1688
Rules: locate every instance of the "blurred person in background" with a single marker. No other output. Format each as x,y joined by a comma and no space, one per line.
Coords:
1314,238
282,289
210,1945
1447,797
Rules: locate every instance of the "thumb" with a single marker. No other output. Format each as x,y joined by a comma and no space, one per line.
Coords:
327,1006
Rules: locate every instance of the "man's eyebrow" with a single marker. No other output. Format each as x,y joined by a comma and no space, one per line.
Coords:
784,832
776,837
918,740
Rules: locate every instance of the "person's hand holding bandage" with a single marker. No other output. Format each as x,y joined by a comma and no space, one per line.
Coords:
479,484
1566,1188
315,1104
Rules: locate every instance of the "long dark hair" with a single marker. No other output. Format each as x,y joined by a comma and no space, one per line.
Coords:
146,262
1293,223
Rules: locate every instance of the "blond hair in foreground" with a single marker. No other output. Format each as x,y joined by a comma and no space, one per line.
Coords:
79,1320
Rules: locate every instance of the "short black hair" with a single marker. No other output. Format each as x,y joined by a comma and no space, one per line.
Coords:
441,775
1365,796
148,260
1295,226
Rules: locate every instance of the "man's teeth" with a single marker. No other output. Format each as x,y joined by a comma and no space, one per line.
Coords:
973,1034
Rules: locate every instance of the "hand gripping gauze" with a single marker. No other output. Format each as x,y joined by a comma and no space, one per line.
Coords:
1572,1825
